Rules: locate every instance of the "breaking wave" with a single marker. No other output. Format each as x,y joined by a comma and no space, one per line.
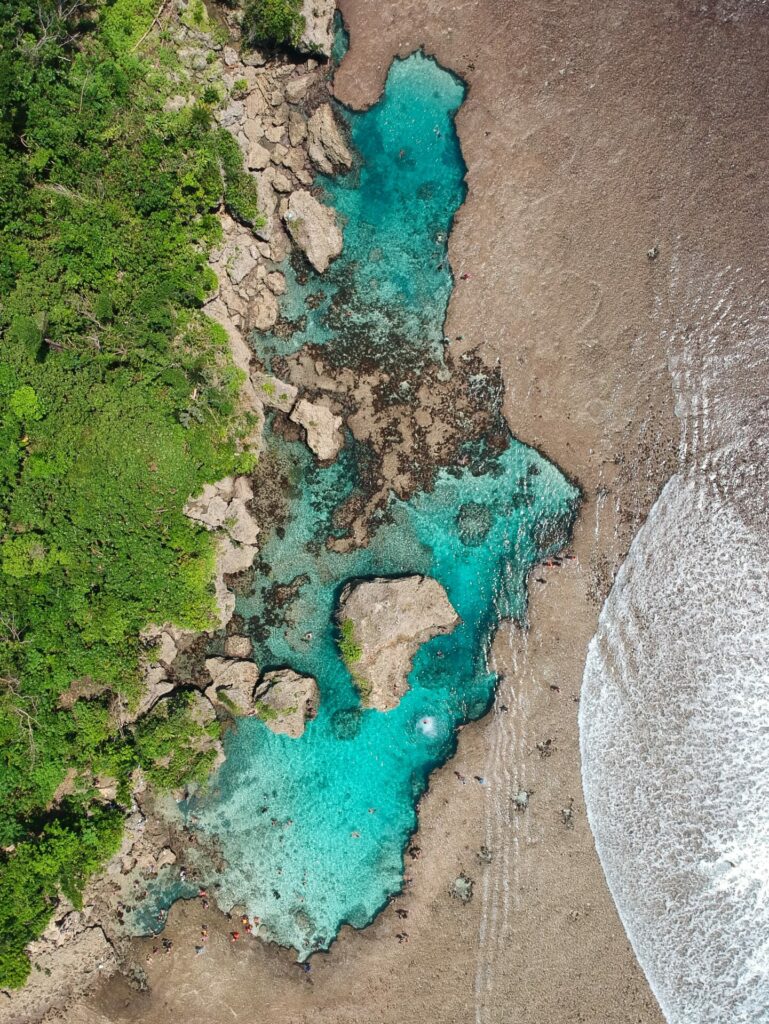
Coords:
674,717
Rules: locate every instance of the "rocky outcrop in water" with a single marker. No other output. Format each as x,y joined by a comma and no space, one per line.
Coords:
391,619
327,148
313,228
233,683
286,700
324,436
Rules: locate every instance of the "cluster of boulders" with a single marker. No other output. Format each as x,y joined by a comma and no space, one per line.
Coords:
390,619
281,117
282,698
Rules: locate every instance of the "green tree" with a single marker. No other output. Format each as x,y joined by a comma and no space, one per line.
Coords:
273,22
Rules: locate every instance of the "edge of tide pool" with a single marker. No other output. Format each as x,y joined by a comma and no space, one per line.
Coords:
263,807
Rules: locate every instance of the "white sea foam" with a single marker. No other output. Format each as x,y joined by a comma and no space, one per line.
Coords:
674,716
428,726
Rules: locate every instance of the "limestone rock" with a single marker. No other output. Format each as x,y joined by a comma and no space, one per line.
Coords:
327,147
297,88
258,157
263,311
252,58
318,35
232,113
236,646
274,133
391,619
201,709
209,508
234,558
234,680
281,182
240,524
313,228
239,259
276,282
275,393
156,686
243,489
225,601
322,426
297,128
165,857
241,353
285,700
293,159
106,787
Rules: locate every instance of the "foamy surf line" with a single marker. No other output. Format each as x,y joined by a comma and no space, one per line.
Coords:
673,725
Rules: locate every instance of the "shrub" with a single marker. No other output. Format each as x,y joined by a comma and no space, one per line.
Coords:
348,647
273,23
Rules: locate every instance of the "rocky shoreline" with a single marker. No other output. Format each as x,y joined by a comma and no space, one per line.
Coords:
280,115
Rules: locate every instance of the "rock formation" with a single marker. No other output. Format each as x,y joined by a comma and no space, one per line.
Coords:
318,35
324,436
233,683
276,394
285,701
313,228
327,147
390,619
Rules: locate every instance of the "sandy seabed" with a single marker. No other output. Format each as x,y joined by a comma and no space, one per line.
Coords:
614,150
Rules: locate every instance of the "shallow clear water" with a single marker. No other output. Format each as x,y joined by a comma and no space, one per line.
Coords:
313,830
386,295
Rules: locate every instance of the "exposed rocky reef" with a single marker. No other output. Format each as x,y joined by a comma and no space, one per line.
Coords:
286,700
389,619
313,228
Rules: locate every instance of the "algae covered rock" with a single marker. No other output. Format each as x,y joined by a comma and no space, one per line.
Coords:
383,623
313,228
285,701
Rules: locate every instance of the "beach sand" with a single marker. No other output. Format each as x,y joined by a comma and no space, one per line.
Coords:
593,133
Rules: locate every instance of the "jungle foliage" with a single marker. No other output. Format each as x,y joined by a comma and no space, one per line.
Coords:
118,399
273,23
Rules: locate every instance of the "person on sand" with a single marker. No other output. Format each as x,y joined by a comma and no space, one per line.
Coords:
234,936
199,950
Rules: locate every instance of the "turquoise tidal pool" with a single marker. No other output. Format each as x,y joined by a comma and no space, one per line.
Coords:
385,297
310,833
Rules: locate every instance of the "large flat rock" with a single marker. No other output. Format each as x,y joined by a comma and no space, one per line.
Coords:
313,228
384,622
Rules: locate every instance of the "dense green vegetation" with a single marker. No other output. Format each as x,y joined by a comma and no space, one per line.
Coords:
273,22
117,401
348,646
